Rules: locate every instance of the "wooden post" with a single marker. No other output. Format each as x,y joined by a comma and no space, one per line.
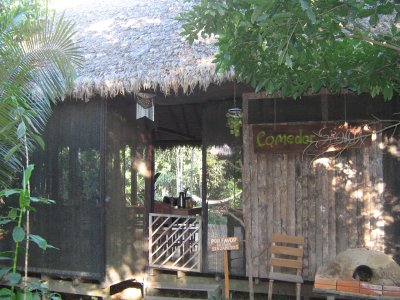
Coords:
204,205
225,244
226,274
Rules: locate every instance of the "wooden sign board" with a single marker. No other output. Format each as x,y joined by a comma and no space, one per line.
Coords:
225,243
289,138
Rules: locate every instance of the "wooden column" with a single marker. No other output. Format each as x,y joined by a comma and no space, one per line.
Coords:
204,206
149,184
246,194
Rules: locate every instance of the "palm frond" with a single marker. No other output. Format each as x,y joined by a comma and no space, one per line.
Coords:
35,72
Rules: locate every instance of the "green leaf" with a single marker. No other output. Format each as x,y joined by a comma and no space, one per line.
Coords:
14,278
7,294
18,234
24,200
288,61
6,253
260,85
41,242
13,213
9,192
4,271
387,93
38,140
42,200
373,20
11,152
27,175
367,12
4,221
310,14
21,130
254,16
36,296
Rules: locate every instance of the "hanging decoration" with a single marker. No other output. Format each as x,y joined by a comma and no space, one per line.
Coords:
145,105
234,116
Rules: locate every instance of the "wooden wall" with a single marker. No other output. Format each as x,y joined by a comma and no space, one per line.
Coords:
335,202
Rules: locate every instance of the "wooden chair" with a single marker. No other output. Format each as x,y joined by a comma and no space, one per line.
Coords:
287,255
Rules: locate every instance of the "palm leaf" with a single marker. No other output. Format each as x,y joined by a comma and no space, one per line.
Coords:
35,71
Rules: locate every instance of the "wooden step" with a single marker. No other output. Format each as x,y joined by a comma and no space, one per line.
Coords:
211,289
167,298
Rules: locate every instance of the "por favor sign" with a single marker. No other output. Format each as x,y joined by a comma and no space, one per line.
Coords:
297,138
225,243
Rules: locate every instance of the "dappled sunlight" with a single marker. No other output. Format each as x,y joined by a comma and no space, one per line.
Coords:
326,162
391,146
129,293
362,212
141,167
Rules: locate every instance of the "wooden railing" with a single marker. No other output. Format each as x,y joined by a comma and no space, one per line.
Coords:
175,242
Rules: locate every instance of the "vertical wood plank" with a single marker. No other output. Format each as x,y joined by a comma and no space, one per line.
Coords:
312,226
341,211
262,213
246,183
246,192
277,174
380,187
298,194
305,167
318,195
359,197
366,211
377,220
270,202
283,193
324,211
254,208
332,211
351,208
291,194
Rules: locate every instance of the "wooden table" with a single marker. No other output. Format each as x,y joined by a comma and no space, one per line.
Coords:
186,211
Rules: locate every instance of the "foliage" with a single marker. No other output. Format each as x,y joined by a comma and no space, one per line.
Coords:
37,59
15,205
295,46
181,167
234,122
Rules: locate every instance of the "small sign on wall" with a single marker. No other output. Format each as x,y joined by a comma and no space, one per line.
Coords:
225,243
269,138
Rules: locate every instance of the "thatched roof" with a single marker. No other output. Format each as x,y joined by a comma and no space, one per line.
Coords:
131,45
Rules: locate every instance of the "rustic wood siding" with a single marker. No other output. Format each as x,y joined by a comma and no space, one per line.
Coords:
334,202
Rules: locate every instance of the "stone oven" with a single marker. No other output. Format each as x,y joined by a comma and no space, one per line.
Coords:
360,271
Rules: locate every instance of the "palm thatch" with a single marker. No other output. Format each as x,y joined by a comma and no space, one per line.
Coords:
131,45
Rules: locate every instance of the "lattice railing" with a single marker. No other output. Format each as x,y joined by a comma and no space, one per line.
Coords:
175,242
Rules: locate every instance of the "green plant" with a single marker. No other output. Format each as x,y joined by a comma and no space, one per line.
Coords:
292,47
16,205
37,59
234,122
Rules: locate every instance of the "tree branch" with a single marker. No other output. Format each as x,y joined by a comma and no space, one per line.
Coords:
372,41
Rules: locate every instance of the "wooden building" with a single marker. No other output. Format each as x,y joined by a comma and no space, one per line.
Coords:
97,135
337,200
